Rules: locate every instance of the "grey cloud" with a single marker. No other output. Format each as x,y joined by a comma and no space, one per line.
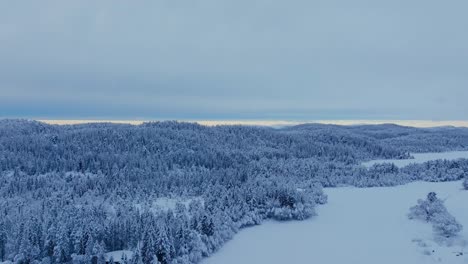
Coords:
234,59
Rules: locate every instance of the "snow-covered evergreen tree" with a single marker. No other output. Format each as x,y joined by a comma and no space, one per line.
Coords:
3,240
136,257
99,252
147,250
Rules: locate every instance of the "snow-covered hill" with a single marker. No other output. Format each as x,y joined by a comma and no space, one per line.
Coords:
357,226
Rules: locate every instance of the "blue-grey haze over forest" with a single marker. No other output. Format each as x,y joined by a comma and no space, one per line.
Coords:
241,59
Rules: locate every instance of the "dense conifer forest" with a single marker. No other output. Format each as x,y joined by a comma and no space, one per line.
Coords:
70,193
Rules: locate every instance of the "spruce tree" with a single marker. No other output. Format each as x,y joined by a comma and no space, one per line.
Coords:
163,246
3,240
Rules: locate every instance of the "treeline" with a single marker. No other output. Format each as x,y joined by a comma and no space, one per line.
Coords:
71,193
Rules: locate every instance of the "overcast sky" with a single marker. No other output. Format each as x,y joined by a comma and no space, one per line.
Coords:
242,59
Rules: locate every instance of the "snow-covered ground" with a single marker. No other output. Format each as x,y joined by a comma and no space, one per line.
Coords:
421,158
358,226
166,203
119,255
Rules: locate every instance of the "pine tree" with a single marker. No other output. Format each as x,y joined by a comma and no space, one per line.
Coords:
35,237
49,243
147,246
3,240
207,225
61,249
136,257
197,248
99,251
163,246
124,259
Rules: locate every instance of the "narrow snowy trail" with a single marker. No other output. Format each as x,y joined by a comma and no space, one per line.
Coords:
357,226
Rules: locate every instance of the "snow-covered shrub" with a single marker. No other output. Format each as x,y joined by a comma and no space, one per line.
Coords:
426,209
433,210
465,183
446,225
319,196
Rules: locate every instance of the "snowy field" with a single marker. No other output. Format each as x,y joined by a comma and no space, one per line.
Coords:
421,158
119,255
362,226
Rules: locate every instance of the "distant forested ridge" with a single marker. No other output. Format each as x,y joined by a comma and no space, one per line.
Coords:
68,194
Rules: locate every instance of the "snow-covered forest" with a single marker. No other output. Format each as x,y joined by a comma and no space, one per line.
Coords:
72,193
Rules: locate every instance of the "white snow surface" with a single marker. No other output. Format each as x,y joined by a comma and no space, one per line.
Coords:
118,255
421,158
166,203
356,226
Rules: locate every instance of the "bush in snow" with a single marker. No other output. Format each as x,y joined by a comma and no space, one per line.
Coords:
445,225
433,210
465,183
426,209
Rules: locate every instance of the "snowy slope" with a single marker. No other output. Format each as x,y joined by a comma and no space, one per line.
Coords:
356,226
421,158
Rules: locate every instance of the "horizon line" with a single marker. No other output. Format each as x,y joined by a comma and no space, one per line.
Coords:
272,123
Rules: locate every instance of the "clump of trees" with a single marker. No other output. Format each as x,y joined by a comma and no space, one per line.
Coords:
432,210
465,183
292,204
